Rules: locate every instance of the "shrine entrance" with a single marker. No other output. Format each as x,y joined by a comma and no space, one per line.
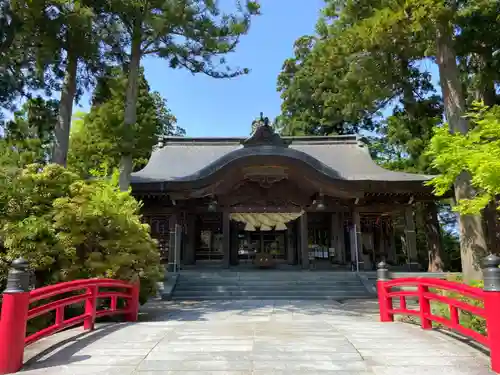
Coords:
262,237
271,243
268,200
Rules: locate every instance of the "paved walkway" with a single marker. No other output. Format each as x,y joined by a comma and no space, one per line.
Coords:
259,338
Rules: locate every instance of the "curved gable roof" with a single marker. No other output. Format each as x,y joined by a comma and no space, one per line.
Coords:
339,157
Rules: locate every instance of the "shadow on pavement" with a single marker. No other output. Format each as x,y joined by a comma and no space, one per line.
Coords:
55,350
158,310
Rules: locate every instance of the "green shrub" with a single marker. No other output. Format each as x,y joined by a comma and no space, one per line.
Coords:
466,319
68,229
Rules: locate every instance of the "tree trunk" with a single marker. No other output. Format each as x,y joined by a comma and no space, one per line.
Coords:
409,101
126,162
486,93
491,219
433,235
63,124
472,238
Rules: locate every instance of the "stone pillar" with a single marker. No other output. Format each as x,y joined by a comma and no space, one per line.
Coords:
411,239
172,222
291,255
15,306
226,239
190,240
304,241
358,239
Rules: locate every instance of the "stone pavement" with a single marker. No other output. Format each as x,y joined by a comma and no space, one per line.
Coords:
256,337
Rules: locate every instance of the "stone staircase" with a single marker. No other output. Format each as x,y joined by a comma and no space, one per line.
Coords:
269,285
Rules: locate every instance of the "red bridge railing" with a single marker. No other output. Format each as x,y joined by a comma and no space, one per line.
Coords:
16,310
487,307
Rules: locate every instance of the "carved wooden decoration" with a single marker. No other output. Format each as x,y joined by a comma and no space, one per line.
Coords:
252,193
265,176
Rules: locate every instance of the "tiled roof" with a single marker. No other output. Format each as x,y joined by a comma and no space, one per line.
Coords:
341,157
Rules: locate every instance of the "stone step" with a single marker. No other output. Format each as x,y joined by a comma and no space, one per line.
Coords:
299,285
269,283
272,291
278,297
256,290
287,276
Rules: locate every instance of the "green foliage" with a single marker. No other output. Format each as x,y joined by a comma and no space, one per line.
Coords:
466,318
32,127
97,138
68,228
477,153
193,35
17,58
55,29
319,91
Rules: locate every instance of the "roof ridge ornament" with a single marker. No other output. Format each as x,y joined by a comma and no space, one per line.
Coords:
263,134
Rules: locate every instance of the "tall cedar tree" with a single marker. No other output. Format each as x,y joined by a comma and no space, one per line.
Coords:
422,28
17,58
95,137
67,40
366,78
189,34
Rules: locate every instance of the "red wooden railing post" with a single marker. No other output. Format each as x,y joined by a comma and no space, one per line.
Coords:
425,307
90,307
384,302
491,277
15,306
133,306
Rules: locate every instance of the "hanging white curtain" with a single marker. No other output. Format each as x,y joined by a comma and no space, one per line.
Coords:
265,221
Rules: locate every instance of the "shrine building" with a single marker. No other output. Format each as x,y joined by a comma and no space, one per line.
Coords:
318,202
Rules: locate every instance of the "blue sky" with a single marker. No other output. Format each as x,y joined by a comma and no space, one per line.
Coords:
208,107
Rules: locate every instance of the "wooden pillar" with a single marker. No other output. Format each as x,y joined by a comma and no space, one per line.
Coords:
304,240
190,240
234,259
341,238
226,239
334,233
411,239
172,222
382,238
291,255
358,237
391,253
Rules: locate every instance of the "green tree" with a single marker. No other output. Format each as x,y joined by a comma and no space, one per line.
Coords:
16,58
68,228
479,62
190,34
95,138
66,43
378,39
338,83
476,152
32,127
316,92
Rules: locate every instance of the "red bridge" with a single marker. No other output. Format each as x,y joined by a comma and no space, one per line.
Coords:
257,328
485,305
16,310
